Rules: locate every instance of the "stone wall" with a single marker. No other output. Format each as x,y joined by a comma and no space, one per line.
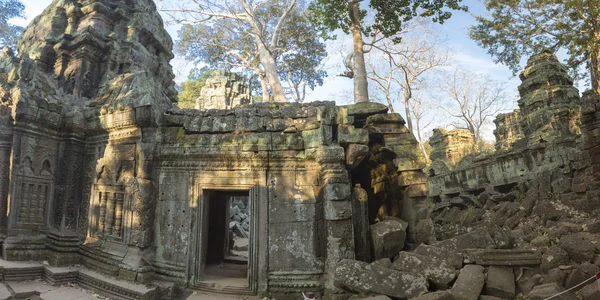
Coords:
508,130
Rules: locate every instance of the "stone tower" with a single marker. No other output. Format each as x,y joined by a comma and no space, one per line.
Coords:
78,108
549,103
223,90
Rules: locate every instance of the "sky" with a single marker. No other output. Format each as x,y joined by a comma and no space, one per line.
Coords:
465,52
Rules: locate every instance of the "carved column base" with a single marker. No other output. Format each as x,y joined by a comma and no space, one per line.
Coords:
24,249
116,260
62,250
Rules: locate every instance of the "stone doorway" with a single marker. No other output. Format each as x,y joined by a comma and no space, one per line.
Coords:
227,234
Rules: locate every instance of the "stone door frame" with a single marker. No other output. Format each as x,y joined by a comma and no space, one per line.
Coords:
258,202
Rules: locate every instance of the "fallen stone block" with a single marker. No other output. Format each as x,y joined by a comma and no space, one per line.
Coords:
384,262
441,295
355,154
500,282
387,238
579,250
502,257
438,273
553,257
544,291
361,277
590,292
486,297
469,283
453,259
478,239
369,297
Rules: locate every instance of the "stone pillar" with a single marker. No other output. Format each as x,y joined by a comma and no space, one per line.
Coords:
360,217
337,206
5,153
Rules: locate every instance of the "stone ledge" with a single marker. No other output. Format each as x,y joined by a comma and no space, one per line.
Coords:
21,271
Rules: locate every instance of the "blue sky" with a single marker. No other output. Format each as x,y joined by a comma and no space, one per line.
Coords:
466,53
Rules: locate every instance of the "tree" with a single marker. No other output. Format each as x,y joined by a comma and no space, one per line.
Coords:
518,28
241,33
402,68
420,108
190,89
473,100
389,16
9,34
301,64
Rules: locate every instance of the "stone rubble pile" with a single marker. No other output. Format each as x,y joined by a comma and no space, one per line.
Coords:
239,217
515,245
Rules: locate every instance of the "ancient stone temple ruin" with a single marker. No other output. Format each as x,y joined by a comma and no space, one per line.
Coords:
99,169
223,90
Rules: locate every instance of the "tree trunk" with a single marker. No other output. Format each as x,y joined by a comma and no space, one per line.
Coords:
268,63
595,69
361,88
421,145
407,96
265,87
389,100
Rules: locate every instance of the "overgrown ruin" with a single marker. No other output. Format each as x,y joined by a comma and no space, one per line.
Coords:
116,189
99,169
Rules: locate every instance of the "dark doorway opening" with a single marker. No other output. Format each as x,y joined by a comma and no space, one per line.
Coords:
228,236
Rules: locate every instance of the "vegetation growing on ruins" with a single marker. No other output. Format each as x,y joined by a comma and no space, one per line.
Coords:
517,29
10,9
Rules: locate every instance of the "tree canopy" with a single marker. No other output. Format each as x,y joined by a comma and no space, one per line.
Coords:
10,9
385,21
267,37
516,29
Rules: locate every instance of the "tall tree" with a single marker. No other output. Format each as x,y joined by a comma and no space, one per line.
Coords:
518,28
239,33
389,15
473,100
420,108
403,68
10,9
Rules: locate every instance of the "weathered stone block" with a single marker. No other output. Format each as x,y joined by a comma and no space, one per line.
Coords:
479,238
394,118
364,278
439,274
417,190
502,257
579,250
500,282
348,134
387,238
336,192
440,295
355,154
366,109
337,210
469,283
544,291
411,177
451,258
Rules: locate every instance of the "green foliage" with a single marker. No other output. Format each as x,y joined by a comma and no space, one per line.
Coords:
229,44
190,89
10,9
521,28
389,15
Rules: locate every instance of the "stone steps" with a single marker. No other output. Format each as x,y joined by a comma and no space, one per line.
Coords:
26,279
228,290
